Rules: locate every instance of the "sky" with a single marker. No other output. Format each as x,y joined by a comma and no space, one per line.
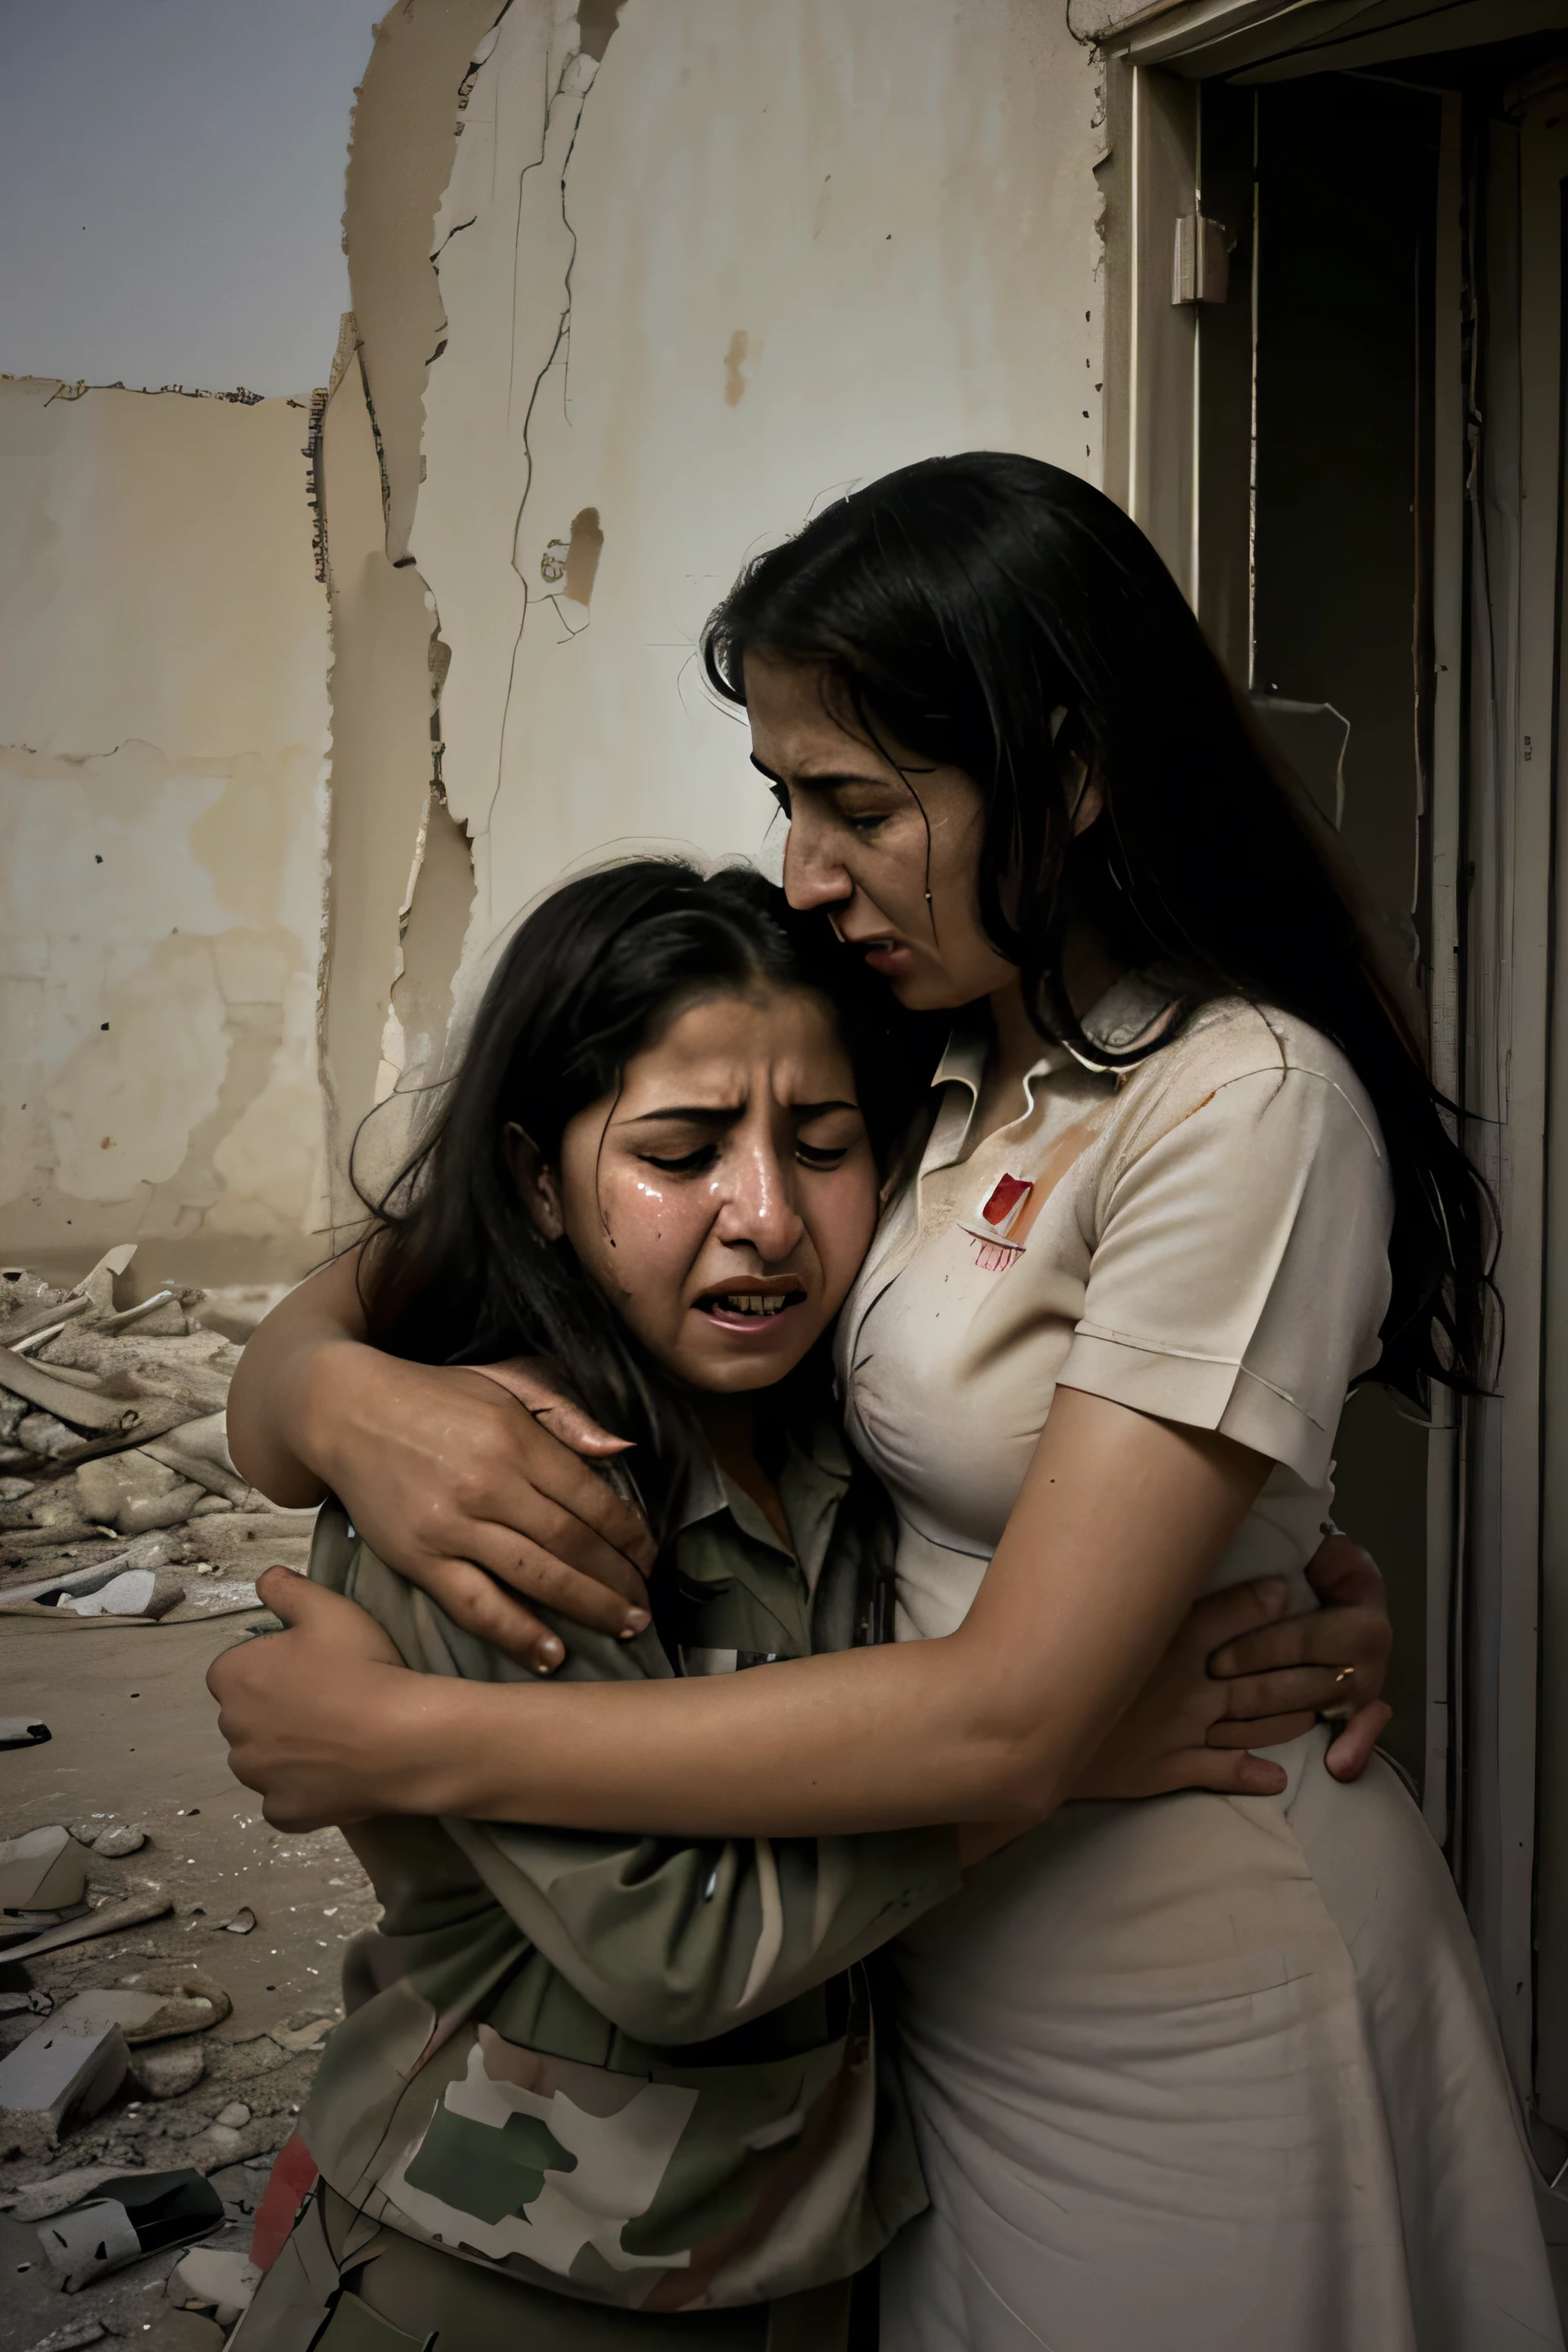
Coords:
171,188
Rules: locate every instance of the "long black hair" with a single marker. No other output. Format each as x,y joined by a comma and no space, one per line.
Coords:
455,1271
995,614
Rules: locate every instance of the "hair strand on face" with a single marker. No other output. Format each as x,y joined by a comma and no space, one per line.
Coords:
456,1269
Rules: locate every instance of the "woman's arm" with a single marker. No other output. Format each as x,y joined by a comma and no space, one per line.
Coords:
475,1500
453,1481
1118,1525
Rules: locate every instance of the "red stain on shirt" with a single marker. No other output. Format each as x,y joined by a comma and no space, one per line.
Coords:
1009,1191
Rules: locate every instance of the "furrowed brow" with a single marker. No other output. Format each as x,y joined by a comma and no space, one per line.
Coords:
827,781
692,1114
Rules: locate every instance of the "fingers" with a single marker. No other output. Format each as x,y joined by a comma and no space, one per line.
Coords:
1262,1731
1349,1754
1346,1576
539,1485
472,1599
1232,1773
538,1576
1292,1690
1238,1610
522,1533
1321,1637
299,1601
523,1380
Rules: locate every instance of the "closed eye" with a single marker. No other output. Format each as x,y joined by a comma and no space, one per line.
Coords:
821,1155
691,1163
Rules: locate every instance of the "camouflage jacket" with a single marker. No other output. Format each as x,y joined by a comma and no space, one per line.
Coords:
636,2070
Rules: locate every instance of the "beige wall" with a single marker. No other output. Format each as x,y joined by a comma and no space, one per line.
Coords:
163,655
697,267
691,288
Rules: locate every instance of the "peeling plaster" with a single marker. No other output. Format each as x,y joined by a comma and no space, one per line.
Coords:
388,665
895,199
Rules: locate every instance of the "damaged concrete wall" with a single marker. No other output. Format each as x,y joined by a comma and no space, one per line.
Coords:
633,287
397,931
163,745
697,267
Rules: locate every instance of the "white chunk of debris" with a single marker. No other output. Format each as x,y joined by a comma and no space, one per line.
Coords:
215,2279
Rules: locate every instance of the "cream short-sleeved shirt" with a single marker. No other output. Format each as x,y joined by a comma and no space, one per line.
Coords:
1202,1237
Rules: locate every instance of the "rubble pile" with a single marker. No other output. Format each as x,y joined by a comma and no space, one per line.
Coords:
140,2108
117,1494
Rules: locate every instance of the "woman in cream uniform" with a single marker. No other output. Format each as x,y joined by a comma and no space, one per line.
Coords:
1200,2073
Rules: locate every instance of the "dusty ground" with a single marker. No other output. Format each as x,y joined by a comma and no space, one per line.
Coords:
135,1739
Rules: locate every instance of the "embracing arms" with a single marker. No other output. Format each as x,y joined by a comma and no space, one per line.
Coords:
451,1479
1117,1526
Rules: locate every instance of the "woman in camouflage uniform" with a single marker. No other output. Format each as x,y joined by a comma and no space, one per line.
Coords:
594,2086
1185,2072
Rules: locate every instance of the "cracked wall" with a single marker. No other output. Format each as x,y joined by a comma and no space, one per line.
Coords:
163,740
699,266
634,288
388,663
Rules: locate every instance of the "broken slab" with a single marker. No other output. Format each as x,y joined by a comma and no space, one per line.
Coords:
134,2214
106,1921
159,2006
101,2005
40,2198
59,2077
216,2279
43,1870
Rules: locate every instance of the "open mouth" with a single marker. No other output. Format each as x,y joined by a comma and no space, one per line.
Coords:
748,1310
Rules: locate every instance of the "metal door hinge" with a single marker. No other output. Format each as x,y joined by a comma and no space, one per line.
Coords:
1200,269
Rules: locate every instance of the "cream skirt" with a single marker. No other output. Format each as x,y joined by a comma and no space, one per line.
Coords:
1215,2075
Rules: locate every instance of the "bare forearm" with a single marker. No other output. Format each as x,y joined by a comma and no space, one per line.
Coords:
273,1420
891,1741
991,1723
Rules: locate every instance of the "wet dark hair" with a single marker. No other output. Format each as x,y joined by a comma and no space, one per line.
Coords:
994,614
455,1270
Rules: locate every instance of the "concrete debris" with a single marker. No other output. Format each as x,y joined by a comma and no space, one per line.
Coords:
67,2339
106,1921
242,2187
59,2077
234,2116
42,1871
121,2005
134,2214
166,2070
126,1837
157,2006
307,2035
32,2002
117,1417
45,2197
21,1731
215,2279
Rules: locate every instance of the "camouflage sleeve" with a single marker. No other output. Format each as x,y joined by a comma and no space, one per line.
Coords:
680,1943
674,1942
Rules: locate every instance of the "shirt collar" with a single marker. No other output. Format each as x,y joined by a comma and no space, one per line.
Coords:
816,1468
1132,1010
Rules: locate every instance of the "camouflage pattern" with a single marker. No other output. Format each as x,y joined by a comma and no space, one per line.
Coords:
641,2072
